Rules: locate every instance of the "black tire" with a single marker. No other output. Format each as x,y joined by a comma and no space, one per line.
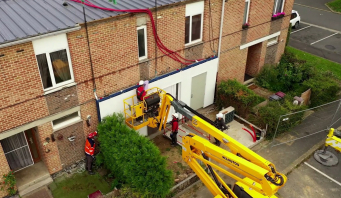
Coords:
297,24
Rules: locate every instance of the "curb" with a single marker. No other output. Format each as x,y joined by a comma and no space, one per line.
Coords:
303,157
332,9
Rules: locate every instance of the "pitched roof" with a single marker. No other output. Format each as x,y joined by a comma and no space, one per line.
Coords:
20,19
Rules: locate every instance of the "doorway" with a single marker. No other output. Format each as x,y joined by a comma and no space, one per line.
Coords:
253,60
33,145
198,91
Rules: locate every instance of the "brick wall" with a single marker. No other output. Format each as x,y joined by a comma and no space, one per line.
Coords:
4,168
71,152
89,109
51,159
62,100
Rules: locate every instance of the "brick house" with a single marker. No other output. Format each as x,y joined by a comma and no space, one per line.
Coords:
49,86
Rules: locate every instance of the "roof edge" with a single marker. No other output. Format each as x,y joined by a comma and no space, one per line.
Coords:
25,40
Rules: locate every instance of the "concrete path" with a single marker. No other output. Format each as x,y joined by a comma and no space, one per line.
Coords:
43,192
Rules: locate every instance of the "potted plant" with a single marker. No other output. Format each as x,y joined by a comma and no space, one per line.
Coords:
278,16
245,26
8,184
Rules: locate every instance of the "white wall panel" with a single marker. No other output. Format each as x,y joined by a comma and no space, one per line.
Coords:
115,104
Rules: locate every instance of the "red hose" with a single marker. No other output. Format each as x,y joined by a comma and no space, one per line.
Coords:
254,132
172,54
253,138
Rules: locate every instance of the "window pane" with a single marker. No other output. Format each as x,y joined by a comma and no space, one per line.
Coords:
65,118
245,12
44,71
279,6
196,27
60,65
187,30
141,42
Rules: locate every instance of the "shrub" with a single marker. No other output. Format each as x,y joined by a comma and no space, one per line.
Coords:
233,93
8,184
269,115
133,159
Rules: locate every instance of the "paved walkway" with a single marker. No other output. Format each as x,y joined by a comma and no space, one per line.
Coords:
43,192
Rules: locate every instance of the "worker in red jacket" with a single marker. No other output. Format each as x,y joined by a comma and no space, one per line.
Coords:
175,127
140,92
90,151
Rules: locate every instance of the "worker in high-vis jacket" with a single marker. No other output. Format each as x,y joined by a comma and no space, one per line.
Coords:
90,151
175,128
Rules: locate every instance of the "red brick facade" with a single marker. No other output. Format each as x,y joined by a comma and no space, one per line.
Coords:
116,65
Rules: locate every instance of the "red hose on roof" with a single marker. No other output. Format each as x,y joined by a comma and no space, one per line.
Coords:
170,53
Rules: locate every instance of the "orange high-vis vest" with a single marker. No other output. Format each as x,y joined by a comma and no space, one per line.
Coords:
88,149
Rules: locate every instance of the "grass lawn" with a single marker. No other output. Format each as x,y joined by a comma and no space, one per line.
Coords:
79,185
335,5
320,63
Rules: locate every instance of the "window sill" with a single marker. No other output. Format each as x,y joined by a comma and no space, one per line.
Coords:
67,124
143,60
271,44
59,88
189,45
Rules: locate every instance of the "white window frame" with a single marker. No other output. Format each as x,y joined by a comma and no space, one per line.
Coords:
193,9
275,6
145,41
49,45
66,123
248,12
274,42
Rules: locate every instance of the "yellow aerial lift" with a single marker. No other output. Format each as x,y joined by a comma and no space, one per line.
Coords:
261,178
325,157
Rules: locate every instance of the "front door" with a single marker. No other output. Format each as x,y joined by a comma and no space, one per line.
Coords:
198,91
32,143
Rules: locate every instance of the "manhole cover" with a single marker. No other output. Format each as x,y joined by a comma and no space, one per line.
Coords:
330,47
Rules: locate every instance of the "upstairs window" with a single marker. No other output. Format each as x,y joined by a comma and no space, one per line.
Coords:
54,62
194,22
278,6
142,42
246,11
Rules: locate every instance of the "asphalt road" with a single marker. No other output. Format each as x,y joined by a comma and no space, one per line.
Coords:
314,180
319,32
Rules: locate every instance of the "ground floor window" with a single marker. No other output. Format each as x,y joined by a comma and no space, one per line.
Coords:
17,151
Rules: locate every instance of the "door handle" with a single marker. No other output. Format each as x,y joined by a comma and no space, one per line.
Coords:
31,140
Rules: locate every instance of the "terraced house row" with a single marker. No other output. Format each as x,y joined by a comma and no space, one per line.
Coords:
53,93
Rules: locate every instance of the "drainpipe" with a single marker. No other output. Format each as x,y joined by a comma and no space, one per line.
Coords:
221,27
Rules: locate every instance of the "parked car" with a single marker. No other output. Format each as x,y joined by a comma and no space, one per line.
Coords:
295,19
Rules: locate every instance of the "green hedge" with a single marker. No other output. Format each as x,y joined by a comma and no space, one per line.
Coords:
233,93
133,159
295,76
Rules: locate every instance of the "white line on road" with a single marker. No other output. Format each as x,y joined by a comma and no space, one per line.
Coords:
300,29
320,27
338,183
323,39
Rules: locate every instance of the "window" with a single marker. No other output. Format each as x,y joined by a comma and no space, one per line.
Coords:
194,22
293,15
272,41
54,63
66,121
246,11
142,42
278,6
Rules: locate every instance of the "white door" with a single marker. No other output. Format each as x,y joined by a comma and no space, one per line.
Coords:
198,91
173,91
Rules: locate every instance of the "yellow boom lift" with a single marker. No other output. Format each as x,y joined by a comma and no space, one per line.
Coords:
261,178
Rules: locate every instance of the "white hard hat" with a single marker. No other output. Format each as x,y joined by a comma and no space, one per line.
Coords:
176,115
220,115
141,82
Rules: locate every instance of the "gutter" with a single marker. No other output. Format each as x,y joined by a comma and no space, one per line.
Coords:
77,27
221,27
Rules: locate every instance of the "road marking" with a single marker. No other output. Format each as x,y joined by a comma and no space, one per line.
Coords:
323,38
313,7
338,183
300,29
320,27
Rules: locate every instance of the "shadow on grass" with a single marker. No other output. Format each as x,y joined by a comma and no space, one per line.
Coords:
78,185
